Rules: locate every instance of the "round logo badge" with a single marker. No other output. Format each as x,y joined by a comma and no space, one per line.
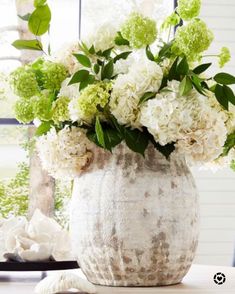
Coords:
219,278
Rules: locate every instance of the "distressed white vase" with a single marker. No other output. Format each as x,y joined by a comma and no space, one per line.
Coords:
134,220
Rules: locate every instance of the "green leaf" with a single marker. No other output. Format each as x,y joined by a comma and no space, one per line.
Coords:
84,48
107,53
119,40
28,44
229,94
197,84
39,21
201,68
165,51
224,79
92,50
112,138
24,17
91,135
96,68
107,71
229,144
212,88
149,53
136,140
100,62
147,96
220,96
185,86
183,67
123,55
43,128
166,150
173,75
116,125
38,3
83,59
88,81
99,132
79,76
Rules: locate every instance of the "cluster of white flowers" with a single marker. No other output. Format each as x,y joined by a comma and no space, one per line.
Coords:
102,38
228,116
198,129
66,153
143,76
65,56
70,91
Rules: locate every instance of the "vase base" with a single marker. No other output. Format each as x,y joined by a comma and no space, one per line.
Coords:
128,284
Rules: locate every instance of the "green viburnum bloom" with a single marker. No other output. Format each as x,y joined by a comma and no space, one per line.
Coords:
24,112
53,74
42,107
192,39
224,56
139,30
60,111
171,20
188,9
91,97
24,83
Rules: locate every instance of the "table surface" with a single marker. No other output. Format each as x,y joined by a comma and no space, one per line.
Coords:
198,280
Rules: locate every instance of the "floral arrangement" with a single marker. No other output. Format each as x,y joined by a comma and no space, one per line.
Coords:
129,84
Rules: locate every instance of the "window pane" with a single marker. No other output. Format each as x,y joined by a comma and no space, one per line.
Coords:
96,13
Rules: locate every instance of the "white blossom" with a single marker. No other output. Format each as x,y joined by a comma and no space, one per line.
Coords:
65,57
205,142
198,130
168,113
66,153
70,91
102,38
143,76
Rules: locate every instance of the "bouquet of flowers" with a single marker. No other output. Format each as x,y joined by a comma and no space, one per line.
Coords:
129,84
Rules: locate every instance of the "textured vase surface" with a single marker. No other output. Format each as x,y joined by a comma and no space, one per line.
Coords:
134,220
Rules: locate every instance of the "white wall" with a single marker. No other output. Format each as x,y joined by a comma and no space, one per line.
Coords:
217,190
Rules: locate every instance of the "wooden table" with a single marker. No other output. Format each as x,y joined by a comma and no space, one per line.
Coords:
198,280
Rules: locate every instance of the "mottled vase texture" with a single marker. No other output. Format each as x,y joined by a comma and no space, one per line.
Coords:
134,220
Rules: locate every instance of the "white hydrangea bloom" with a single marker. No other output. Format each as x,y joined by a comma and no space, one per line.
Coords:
143,76
74,110
102,38
70,91
198,129
205,142
122,66
66,153
65,57
228,116
168,114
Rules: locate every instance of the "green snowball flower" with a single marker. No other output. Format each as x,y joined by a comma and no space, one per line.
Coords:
53,74
60,111
42,107
24,83
24,112
171,20
188,9
139,30
224,56
91,97
192,39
